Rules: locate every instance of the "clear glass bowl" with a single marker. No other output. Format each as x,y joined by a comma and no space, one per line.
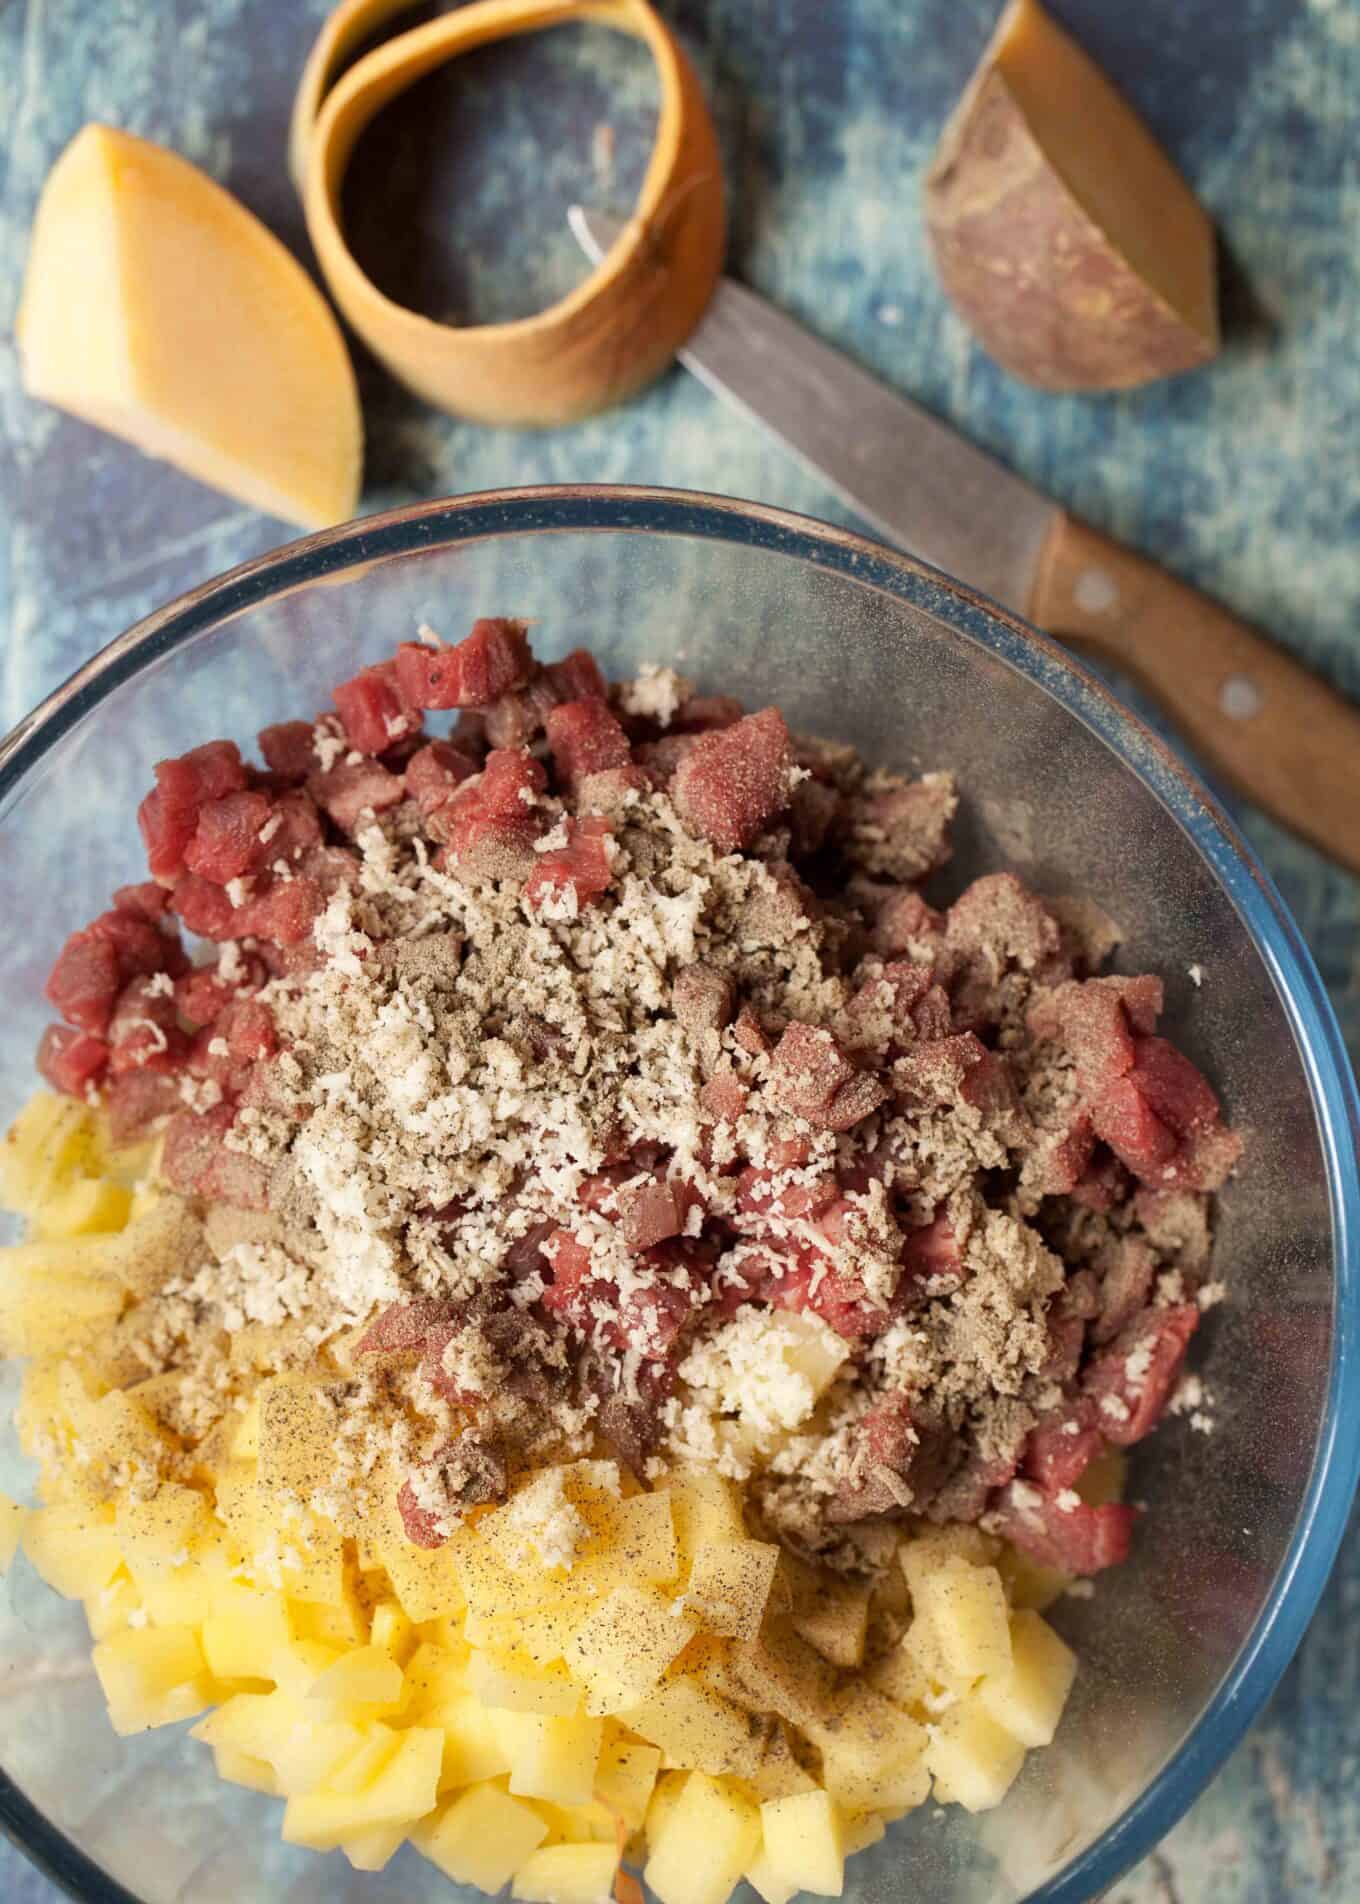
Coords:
1180,1648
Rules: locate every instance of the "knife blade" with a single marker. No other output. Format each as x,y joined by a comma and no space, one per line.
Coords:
1258,717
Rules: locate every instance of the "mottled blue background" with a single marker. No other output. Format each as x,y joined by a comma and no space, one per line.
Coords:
1245,478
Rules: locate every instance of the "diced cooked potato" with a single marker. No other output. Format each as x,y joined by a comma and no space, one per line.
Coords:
152,1676
865,1828
541,1634
833,1617
1028,1696
243,1632
778,1773
482,1837
425,1579
591,1823
50,1142
803,1841
402,1791
566,1874
625,1778
240,1769
363,1684
374,1850
1028,1583
376,1749
515,1683
75,1549
12,1518
622,1650
972,1756
772,1885
707,1841
342,1623
965,1607
665,1797
864,1741
630,1540
780,1672
45,1308
549,1758
305,1554
393,1632
729,1585
86,1207
706,1509
472,1751
113,1607
900,1676
159,1535
930,1548
697,1727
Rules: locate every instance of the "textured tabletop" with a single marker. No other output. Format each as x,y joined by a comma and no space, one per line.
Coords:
1244,478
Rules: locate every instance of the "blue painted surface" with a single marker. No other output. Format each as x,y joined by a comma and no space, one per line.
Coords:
1245,478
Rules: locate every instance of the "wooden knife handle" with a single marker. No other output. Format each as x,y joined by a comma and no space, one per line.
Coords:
1259,718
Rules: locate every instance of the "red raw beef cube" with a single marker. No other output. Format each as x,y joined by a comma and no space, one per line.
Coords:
1129,1264
750,1034
581,867
777,1187
517,718
886,1003
375,711
166,831
510,781
227,836
1104,1185
492,822
422,1528
1062,1446
1177,1091
145,901
661,759
403,1328
936,1072
435,774
489,662
197,1162
70,1060
289,749
707,714
205,773
144,1031
815,1077
1131,1381
142,948
902,921
1001,923
805,1280
1122,1118
911,825
609,793
652,1212
85,981
1206,1159
1077,1540
577,677
136,1100
285,911
292,832
733,781
724,1097
346,792
584,738
202,996
247,1031
899,1459
205,908
932,1251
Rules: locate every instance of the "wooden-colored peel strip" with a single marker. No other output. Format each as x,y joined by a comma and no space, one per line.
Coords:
613,333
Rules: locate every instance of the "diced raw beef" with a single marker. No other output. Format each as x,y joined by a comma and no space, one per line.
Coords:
703,998
585,738
1206,1159
422,1528
136,1100
144,1030
899,1461
487,663
205,773
1131,1381
815,811
284,911
581,868
227,836
784,1188
1076,1539
206,909
648,1319
403,1328
347,793
145,901
85,981
813,1076
706,713
1062,1446
902,833
1177,1091
933,1251
142,947
70,1060
197,1161
724,1097
1104,1184
1128,1265
1122,1118
934,1073
654,1211
289,749
661,759
735,780
750,1033
577,677
202,994
902,921
435,774
995,927
375,711
518,717
165,831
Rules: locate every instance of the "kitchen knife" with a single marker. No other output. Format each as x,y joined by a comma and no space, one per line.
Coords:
1259,718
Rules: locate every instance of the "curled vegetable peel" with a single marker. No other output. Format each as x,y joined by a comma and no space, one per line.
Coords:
614,332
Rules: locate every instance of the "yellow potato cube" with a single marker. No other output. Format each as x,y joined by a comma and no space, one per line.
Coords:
393,1632
297,1666
516,1684
50,1142
665,1797
921,1553
311,1752
762,1876
779,1672
707,1842
695,1726
729,1585
88,1206
1028,1583
160,1535
472,1751
833,1617
778,1773
901,1677
296,1439
339,1626
803,1841
375,1752
864,1828
623,1649
12,1518
625,1778
481,1838
433,1675
404,1790
75,1549
152,1676
364,1684
242,1634
864,1741
567,1874
541,1633
592,1823
1027,1698
549,1757
706,1509
972,1756
895,1788
112,1608
631,1539
238,1768
965,1606
44,1308
374,1850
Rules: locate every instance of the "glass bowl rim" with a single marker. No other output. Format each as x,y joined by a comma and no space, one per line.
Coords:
579,507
